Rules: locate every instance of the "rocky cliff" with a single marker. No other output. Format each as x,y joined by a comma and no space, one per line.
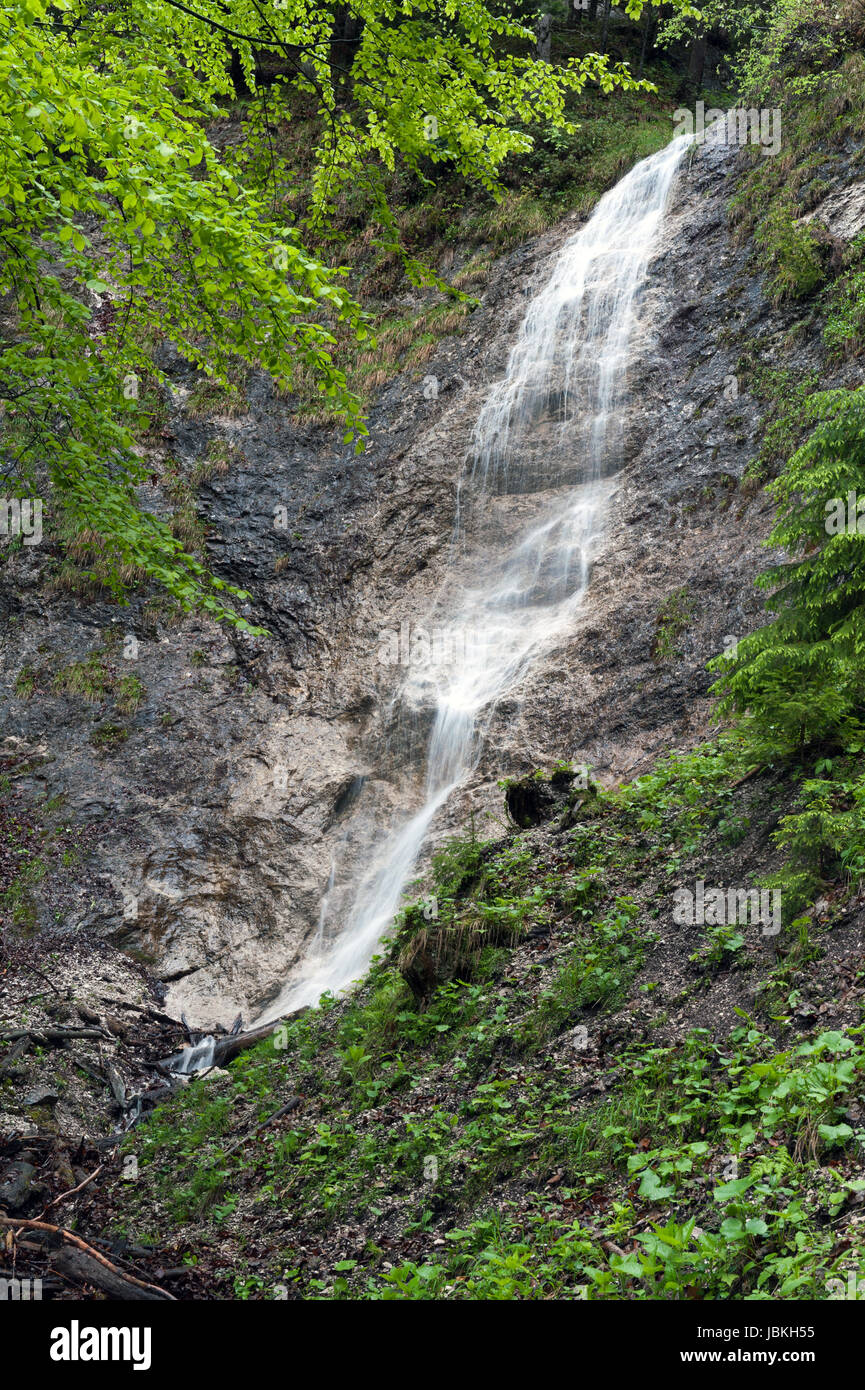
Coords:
211,776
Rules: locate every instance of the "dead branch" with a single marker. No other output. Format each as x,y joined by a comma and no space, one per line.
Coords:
55,1036
106,1275
271,1119
64,1196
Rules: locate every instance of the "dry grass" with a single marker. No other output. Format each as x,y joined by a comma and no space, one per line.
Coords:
209,398
445,950
216,463
473,275
89,568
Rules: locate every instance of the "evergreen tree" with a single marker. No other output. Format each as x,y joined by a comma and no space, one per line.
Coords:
802,677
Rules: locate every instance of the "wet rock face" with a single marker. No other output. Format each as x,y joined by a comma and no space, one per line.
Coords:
672,586
215,807
211,808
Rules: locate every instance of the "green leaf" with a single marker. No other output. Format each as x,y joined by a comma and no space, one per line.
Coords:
728,1190
835,1134
652,1188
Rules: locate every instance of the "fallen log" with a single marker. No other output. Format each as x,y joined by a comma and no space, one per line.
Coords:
142,1009
57,1036
235,1043
83,1269
62,1035
15,1053
93,1267
225,1048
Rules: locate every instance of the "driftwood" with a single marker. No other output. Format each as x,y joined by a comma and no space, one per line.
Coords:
80,1261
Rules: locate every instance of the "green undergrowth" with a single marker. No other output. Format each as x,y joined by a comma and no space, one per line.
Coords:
814,81
819,92
524,1124
731,1133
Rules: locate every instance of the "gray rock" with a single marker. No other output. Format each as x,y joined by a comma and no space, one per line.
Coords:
842,212
43,1095
15,1184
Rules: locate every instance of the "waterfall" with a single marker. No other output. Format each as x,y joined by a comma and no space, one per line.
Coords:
549,432
198,1057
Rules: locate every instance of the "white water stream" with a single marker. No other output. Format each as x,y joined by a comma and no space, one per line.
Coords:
549,431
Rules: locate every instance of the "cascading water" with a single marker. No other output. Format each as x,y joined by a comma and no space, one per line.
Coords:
198,1057
548,432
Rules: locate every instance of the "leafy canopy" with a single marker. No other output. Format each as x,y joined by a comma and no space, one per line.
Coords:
124,224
